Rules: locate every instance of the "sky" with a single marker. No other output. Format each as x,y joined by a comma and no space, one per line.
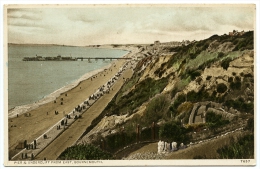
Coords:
143,24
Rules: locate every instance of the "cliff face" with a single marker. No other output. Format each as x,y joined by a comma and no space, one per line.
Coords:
190,85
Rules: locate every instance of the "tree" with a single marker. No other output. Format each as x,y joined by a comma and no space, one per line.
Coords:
155,110
221,88
172,131
225,63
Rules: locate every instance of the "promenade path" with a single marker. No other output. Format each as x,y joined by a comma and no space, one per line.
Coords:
75,130
53,132
42,119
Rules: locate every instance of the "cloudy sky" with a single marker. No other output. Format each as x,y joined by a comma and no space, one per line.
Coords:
91,25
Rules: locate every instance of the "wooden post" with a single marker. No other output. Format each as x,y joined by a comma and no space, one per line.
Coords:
22,155
25,143
153,131
137,132
34,142
32,156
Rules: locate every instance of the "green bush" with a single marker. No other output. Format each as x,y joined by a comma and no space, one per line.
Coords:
173,92
201,95
155,109
215,120
225,63
84,152
240,105
172,131
235,85
241,149
178,101
193,55
230,79
221,54
221,88
194,74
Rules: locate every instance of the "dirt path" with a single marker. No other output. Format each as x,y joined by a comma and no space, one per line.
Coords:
72,134
206,149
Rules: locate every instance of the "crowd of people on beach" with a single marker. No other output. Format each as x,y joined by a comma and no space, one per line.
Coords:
104,89
69,118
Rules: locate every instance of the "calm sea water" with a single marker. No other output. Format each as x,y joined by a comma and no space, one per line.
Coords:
31,81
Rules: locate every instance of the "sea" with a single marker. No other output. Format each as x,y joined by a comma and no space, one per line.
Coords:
31,81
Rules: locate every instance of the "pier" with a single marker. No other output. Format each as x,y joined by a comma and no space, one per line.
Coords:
97,58
59,58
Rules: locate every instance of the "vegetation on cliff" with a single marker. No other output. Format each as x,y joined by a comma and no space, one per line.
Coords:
84,152
206,87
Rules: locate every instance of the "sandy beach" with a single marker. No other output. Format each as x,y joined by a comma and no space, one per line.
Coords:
33,123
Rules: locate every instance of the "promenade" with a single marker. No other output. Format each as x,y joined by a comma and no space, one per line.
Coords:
57,138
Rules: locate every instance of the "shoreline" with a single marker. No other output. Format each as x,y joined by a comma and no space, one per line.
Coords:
22,109
35,122
52,96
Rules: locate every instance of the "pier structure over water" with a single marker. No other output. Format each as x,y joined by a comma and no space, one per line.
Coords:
97,58
59,58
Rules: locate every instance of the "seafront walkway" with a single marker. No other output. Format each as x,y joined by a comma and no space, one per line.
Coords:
68,130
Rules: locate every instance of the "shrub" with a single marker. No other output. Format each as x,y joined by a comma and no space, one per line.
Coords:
172,131
248,75
240,105
193,55
194,74
200,157
84,152
155,109
250,124
173,92
208,77
225,63
180,99
221,54
221,88
215,120
230,79
201,95
243,148
235,85
183,111
238,79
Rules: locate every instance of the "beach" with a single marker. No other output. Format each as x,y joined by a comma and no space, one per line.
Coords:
35,121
